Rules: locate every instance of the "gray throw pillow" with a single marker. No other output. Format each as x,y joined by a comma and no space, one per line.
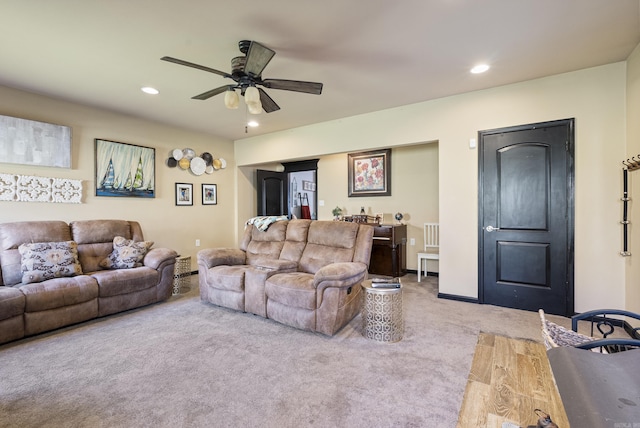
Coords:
47,260
126,253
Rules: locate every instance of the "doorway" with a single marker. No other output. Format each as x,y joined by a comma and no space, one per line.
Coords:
292,192
272,193
526,217
302,199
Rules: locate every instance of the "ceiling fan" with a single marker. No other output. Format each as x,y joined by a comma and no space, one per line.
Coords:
246,72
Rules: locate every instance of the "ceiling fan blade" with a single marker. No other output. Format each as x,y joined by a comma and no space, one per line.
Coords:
293,85
268,105
258,57
213,92
199,67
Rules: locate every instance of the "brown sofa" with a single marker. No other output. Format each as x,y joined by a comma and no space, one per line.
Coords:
302,273
30,308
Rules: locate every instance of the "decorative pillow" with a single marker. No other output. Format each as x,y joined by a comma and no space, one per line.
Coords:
47,260
126,253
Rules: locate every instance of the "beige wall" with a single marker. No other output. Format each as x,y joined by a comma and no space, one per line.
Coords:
162,222
633,149
414,192
594,97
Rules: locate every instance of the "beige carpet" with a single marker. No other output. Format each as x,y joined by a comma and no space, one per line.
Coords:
183,363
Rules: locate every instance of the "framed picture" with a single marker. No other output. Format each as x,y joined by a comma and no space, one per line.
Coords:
309,186
125,170
28,142
184,194
209,194
370,173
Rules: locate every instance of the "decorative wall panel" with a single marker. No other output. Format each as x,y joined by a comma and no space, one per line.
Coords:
25,188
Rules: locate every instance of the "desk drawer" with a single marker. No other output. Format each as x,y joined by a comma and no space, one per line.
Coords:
382,232
382,240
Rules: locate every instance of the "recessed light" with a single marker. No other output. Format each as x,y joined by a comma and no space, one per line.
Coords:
252,123
480,68
150,90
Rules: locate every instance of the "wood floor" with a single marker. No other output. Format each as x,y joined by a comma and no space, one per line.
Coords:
509,379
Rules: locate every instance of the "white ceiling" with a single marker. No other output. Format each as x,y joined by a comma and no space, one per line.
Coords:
370,54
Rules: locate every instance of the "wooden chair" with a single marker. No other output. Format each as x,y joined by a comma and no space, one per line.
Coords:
431,233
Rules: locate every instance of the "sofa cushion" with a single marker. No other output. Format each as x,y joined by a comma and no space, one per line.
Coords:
11,302
295,289
47,260
328,242
340,234
126,253
124,281
227,277
90,255
258,251
297,232
268,243
95,239
91,231
59,292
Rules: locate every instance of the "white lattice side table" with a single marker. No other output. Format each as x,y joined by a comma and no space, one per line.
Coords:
382,318
181,274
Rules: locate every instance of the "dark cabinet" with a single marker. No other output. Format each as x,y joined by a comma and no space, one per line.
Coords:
389,251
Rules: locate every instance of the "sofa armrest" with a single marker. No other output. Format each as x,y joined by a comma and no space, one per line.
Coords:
211,257
341,275
157,256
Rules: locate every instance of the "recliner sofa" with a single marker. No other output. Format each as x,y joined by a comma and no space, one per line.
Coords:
30,304
303,273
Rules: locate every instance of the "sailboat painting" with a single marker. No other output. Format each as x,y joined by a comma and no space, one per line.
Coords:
124,170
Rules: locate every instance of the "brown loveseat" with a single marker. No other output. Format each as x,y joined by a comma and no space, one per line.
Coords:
31,304
302,273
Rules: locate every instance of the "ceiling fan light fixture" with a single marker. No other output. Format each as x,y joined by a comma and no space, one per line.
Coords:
231,99
252,98
251,95
254,108
252,123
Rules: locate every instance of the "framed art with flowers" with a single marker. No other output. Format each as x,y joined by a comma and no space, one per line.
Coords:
370,173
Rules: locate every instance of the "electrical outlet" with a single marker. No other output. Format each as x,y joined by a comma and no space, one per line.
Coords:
412,241
197,242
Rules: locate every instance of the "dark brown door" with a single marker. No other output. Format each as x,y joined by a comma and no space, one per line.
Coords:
526,217
272,193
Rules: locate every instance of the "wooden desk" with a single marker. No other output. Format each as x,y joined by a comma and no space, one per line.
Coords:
389,252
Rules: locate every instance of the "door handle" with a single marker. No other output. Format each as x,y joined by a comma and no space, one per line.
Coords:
491,228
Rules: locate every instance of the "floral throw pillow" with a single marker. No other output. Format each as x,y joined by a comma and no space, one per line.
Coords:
47,260
126,253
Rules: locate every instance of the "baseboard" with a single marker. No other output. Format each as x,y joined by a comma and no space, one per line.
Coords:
458,298
632,332
415,272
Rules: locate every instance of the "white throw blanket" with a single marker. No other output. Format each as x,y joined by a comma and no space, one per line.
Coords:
263,223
